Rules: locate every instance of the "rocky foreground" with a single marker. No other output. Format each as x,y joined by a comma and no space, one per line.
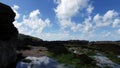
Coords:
86,57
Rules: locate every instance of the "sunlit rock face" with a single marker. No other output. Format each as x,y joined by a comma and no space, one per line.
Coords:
8,36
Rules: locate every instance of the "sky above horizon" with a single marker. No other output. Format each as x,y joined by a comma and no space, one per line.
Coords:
94,20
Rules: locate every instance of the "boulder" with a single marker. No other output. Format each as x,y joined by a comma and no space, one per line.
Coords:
8,36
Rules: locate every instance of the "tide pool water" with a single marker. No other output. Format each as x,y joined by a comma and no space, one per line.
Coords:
38,62
41,62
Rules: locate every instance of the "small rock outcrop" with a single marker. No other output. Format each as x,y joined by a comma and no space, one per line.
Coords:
8,36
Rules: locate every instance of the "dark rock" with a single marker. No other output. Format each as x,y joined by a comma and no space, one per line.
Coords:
56,48
7,29
8,36
7,53
84,58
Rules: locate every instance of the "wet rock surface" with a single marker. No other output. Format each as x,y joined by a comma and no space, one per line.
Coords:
103,61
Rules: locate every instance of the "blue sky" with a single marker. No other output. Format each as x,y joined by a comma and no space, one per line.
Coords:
93,20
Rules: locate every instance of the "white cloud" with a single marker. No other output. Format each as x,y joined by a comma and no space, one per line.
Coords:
116,23
110,15
87,25
97,19
15,9
106,34
90,25
34,22
118,31
105,20
69,8
34,14
77,27
31,24
90,9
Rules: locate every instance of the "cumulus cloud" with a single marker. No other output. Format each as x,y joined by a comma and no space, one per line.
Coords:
32,24
90,9
77,27
34,14
65,23
91,24
116,23
68,8
88,27
118,31
106,19
35,22
110,14
15,8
